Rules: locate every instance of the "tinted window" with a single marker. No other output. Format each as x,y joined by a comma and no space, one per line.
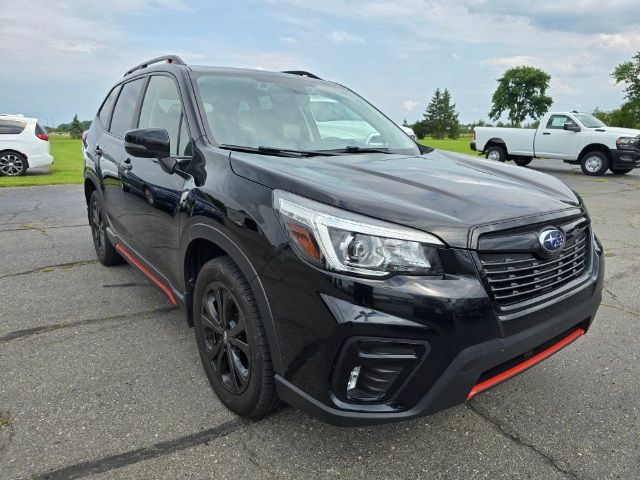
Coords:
105,111
557,121
11,127
122,118
162,108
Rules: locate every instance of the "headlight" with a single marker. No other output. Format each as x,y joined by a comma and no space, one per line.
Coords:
628,143
343,241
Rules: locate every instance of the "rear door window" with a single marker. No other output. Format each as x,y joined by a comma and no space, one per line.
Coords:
123,112
107,106
12,127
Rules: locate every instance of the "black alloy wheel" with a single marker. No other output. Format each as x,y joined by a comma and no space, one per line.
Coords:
225,338
231,339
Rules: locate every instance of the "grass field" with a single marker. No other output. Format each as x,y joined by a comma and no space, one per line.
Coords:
459,145
66,168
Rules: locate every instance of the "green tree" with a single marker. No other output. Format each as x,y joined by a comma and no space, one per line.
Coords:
522,93
75,131
629,74
440,117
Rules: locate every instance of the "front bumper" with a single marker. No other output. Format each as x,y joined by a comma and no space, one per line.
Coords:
463,337
625,158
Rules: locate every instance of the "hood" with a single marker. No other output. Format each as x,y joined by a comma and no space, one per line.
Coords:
441,193
622,132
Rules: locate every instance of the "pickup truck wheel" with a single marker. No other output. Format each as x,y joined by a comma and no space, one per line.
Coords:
496,153
620,171
232,341
594,163
522,161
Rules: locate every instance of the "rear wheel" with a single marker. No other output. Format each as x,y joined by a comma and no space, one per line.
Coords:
12,164
594,163
522,161
105,250
496,153
620,171
232,341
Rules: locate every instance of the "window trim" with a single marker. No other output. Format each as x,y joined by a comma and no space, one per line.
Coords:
106,127
183,116
136,109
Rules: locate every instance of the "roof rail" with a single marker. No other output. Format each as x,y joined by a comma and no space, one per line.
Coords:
302,73
168,58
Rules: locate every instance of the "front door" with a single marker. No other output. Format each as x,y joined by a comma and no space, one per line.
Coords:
554,141
151,197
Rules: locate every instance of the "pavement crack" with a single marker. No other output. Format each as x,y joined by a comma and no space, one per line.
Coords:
112,462
513,435
41,229
28,332
49,268
6,430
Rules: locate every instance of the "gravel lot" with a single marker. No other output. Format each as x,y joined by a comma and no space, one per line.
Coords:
100,377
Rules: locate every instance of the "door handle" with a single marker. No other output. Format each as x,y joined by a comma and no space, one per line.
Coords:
546,133
126,164
97,150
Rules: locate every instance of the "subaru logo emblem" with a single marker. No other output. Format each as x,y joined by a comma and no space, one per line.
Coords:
552,240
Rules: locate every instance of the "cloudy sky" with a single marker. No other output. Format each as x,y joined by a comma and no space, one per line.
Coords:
60,57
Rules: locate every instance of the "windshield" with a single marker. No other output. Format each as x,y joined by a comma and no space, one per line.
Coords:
294,113
589,121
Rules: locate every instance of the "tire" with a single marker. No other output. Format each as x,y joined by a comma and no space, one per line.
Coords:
522,161
497,153
105,250
594,163
234,339
12,164
620,171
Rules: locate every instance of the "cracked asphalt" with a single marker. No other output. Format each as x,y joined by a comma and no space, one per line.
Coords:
100,377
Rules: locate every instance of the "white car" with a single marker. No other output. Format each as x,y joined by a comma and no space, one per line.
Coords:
23,144
577,138
409,131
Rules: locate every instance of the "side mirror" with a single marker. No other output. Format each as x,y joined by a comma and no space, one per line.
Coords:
571,126
151,143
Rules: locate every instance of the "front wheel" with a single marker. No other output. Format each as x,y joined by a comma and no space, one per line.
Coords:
594,163
620,171
496,153
232,341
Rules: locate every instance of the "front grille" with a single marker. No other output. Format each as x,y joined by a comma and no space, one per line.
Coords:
517,277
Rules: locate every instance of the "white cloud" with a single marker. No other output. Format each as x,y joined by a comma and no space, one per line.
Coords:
409,105
290,40
341,37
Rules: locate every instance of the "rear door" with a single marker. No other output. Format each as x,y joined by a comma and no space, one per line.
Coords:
553,141
151,196
108,147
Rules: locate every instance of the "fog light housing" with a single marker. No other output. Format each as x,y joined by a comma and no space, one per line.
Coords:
370,370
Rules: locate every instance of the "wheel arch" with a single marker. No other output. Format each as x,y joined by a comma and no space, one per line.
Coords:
495,141
203,242
595,147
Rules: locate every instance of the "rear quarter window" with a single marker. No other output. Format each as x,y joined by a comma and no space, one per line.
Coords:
12,127
107,106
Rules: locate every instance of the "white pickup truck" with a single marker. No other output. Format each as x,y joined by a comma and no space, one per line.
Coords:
578,138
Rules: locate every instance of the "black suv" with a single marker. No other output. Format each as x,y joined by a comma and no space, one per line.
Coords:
323,257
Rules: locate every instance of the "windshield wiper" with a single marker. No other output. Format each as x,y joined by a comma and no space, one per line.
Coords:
283,152
356,149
